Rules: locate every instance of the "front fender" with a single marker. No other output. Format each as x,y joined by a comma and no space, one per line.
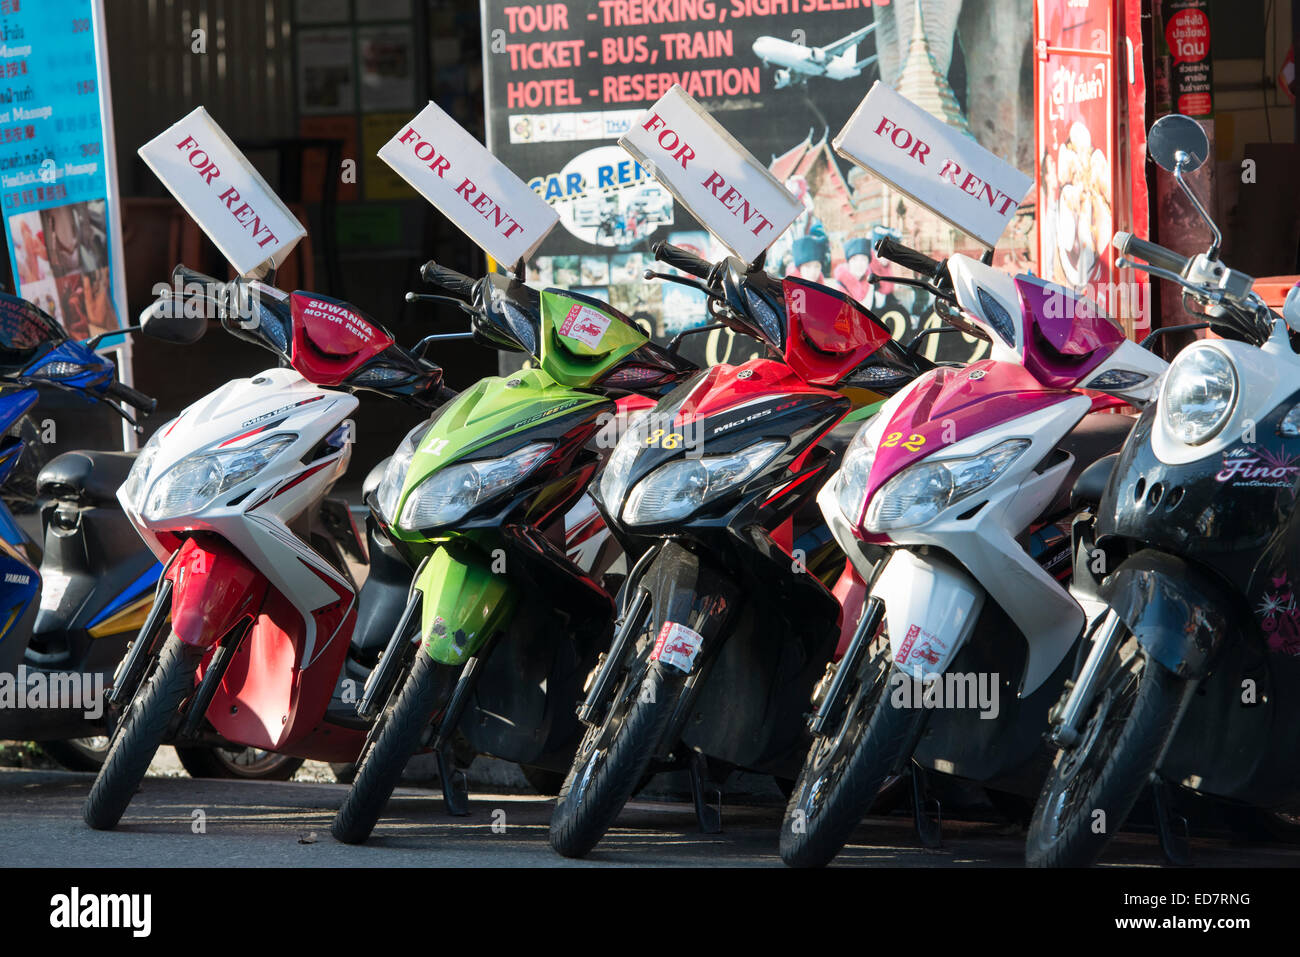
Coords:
1177,612
463,602
214,588
693,604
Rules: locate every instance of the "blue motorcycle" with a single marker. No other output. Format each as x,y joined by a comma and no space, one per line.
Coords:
67,610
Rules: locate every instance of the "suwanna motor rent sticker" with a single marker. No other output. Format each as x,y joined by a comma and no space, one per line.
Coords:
938,166
469,186
224,194
722,184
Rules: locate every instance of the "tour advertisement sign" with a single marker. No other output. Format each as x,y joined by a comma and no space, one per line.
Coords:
1076,143
58,184
564,81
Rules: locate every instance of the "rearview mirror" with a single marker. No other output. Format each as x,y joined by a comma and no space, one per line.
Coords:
1291,308
1176,137
166,320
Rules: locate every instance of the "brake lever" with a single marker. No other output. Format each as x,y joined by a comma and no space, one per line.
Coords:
929,287
414,297
683,280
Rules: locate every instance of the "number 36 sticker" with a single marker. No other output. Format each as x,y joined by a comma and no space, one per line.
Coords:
912,444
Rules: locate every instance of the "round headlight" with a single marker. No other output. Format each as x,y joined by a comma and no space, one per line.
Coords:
1200,392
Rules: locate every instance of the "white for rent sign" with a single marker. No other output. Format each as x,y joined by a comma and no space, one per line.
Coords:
938,166
720,182
224,194
470,186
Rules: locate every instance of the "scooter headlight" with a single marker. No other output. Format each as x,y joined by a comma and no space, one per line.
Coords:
851,480
675,490
389,491
1199,394
137,478
618,469
448,494
919,493
193,482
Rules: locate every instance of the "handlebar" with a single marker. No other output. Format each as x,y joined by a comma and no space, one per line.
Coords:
1155,254
907,257
133,398
456,283
682,259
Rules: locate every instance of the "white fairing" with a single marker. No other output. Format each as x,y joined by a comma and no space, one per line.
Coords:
1266,377
931,604
985,543
968,276
254,516
971,275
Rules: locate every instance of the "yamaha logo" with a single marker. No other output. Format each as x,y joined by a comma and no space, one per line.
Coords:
977,373
744,374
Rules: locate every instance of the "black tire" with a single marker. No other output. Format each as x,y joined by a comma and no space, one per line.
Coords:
78,754
543,781
845,771
613,759
390,746
345,772
1120,744
140,732
249,764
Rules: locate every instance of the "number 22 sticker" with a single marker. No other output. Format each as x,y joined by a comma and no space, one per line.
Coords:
912,444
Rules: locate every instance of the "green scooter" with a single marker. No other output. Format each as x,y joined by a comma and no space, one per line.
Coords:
502,627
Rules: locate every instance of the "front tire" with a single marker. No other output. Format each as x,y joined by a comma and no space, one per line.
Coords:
140,733
612,760
844,771
1130,723
379,769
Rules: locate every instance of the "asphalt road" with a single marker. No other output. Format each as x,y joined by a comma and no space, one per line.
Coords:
274,824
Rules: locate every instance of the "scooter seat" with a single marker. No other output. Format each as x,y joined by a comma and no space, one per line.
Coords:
87,478
1091,484
1097,435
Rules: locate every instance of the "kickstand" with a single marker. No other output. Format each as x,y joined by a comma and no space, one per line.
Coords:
707,795
927,815
455,785
1171,827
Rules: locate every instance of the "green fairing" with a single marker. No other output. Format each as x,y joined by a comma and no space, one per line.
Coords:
463,602
864,413
490,410
580,342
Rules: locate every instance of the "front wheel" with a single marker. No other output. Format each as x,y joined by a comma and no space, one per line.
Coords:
1093,786
397,736
250,764
140,732
845,770
613,759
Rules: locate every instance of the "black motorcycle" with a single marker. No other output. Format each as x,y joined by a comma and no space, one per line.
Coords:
1189,678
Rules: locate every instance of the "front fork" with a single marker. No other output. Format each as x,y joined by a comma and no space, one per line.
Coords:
828,712
1065,716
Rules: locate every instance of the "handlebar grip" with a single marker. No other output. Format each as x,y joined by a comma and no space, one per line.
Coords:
681,259
456,283
906,257
1153,253
133,398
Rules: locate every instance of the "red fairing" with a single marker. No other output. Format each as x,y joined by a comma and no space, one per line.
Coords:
724,386
214,588
851,592
332,339
829,335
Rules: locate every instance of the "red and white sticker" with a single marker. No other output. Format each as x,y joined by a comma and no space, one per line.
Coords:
677,645
585,324
923,648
